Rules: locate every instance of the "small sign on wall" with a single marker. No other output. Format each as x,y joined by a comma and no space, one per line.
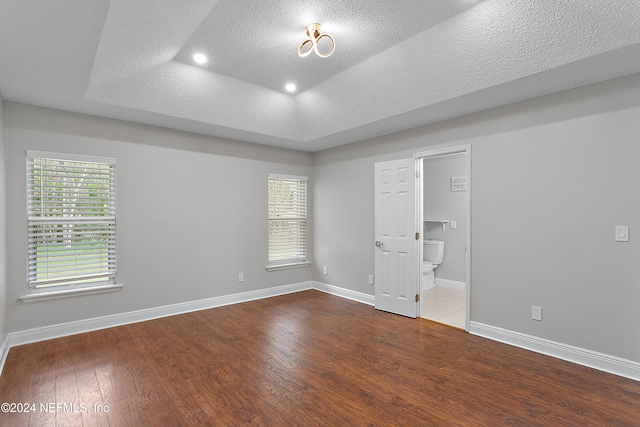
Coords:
458,183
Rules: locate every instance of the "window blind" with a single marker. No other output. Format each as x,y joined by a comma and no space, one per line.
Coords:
287,219
71,206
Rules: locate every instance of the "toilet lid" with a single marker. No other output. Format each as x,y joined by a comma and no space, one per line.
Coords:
427,263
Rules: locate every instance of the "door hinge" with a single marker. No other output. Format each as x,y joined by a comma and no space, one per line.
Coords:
417,236
417,297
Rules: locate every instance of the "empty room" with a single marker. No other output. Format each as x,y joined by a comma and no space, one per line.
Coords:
319,213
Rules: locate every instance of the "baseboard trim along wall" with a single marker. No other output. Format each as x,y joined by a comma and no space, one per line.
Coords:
88,325
94,324
453,284
4,351
345,293
593,359
603,362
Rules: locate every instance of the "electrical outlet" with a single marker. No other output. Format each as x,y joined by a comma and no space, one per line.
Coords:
325,270
622,233
536,312
371,279
240,277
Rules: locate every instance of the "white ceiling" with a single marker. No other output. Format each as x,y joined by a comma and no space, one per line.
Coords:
397,64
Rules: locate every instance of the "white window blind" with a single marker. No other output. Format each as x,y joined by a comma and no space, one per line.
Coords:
287,219
71,206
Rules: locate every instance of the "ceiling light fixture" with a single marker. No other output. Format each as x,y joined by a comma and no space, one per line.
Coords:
314,34
199,58
290,87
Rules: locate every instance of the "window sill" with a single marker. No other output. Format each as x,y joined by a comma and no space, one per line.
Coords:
274,267
67,293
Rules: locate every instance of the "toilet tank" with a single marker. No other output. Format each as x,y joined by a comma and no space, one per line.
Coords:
433,251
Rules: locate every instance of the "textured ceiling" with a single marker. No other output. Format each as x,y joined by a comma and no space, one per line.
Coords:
266,35
397,64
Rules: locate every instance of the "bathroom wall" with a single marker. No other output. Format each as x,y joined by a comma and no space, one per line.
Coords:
442,203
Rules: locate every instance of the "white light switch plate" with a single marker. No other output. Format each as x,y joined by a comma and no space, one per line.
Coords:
622,233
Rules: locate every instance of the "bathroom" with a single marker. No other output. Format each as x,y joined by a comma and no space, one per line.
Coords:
445,210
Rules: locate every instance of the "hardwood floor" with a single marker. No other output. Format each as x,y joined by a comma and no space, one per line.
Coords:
304,359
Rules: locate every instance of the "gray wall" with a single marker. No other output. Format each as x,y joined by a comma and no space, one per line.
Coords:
191,213
442,203
3,226
551,178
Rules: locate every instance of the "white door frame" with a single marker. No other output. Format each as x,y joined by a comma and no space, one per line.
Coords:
460,149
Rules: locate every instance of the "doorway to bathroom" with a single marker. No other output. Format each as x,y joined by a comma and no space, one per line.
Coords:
443,193
404,208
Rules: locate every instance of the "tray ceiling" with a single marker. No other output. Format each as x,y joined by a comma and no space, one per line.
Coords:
397,65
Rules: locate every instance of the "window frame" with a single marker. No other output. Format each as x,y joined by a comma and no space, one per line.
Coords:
89,219
302,260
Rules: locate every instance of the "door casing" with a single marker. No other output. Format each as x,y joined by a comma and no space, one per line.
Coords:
419,157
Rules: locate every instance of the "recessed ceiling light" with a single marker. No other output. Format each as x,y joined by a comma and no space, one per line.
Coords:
199,58
290,87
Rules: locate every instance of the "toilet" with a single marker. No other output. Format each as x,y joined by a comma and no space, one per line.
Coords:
432,255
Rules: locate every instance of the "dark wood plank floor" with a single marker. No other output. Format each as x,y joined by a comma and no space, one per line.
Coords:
305,359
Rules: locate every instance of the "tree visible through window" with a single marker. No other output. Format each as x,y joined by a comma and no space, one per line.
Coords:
71,208
287,220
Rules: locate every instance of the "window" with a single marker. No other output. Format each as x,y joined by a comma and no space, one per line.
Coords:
287,221
71,208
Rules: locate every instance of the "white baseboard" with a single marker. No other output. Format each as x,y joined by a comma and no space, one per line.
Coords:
452,284
96,323
345,293
593,359
4,351
80,326
612,364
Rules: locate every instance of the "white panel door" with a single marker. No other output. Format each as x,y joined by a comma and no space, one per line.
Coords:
396,274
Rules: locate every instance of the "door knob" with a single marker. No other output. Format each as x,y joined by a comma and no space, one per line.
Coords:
379,243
